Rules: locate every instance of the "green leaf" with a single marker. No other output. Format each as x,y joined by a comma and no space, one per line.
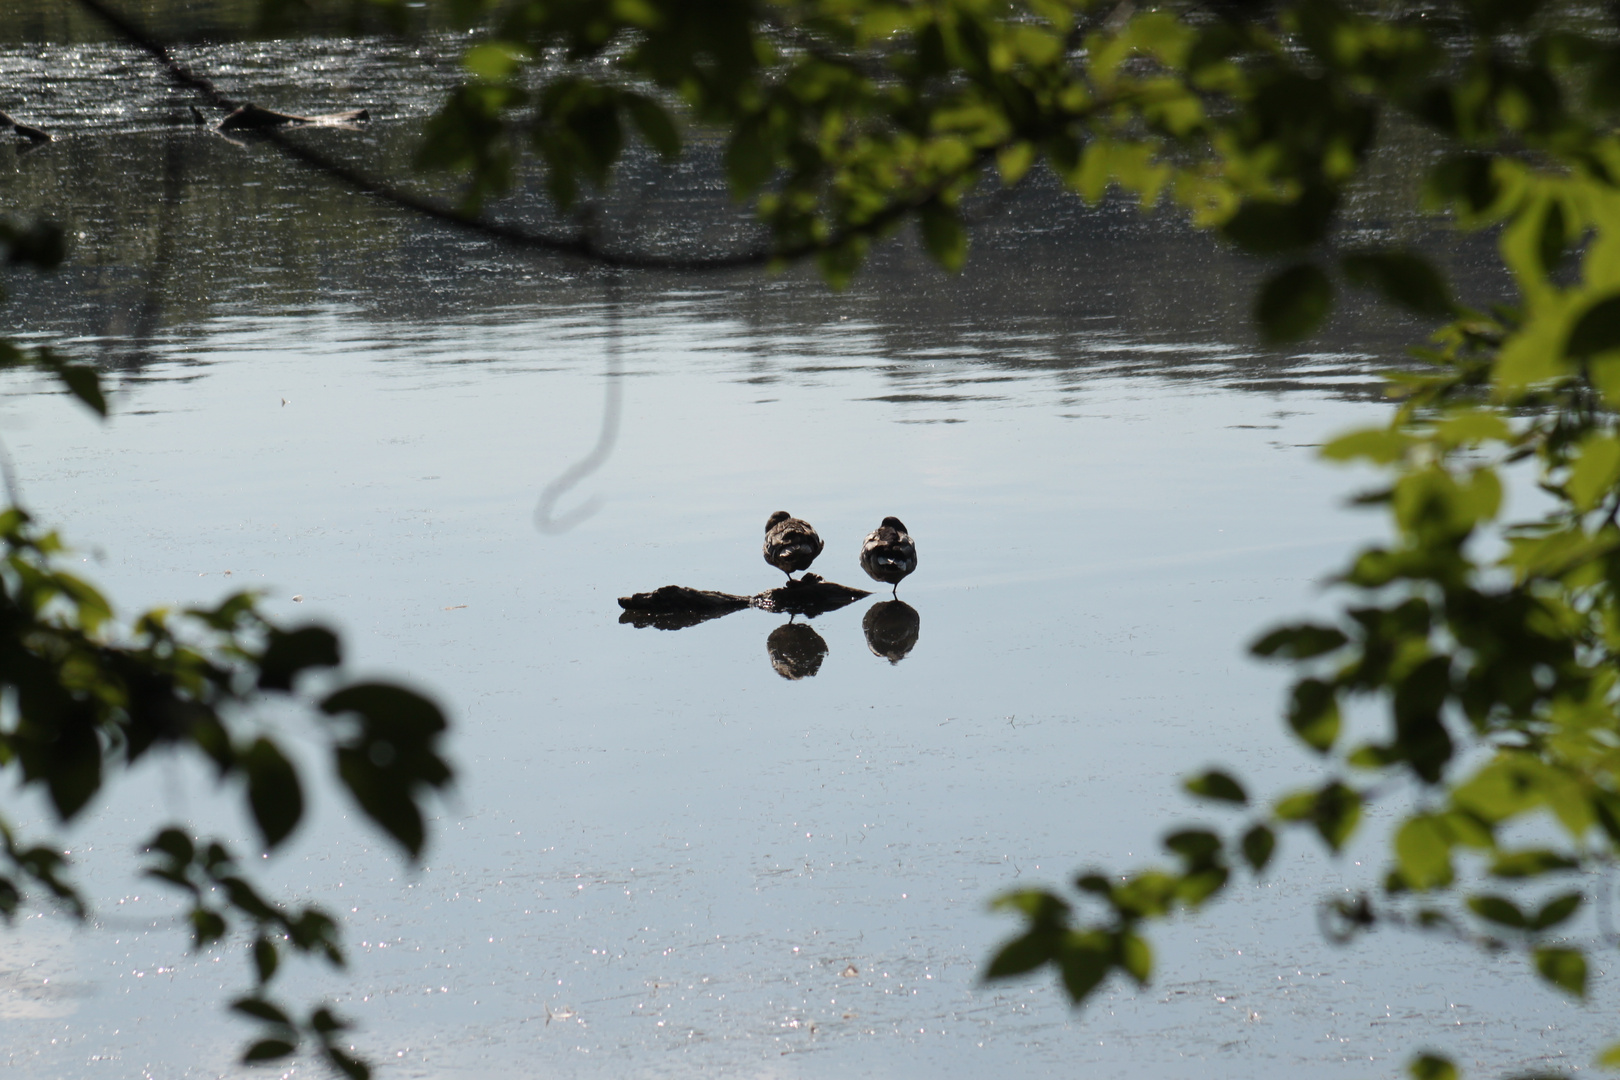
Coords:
1136,957
1499,910
1432,1067
1014,160
1533,863
494,61
206,927
1564,968
1293,303
1040,907
1219,785
1556,911
1198,847
1313,714
1381,446
1336,813
1023,954
1596,470
1423,852
1258,845
1084,960
1300,642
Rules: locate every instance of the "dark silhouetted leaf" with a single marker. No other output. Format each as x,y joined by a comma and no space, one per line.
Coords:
1198,846
260,1009
1023,954
1270,228
1313,713
1499,910
1084,961
286,654
273,791
1596,331
943,235
1258,845
1402,278
1293,303
347,1064
1299,642
267,1050
1556,911
265,959
1523,864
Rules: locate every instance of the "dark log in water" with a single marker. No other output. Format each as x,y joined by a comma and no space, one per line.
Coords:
676,606
253,118
32,134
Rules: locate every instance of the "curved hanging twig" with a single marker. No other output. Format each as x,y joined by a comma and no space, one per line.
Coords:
546,518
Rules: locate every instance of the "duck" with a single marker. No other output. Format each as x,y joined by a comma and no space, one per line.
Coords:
888,554
790,544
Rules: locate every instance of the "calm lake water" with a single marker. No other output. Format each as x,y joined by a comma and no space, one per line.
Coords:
662,858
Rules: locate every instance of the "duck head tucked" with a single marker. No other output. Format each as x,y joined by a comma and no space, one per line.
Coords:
790,544
888,554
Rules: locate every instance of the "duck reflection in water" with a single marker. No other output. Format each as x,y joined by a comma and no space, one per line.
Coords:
796,650
891,629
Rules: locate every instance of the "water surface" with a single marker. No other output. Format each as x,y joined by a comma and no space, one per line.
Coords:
663,858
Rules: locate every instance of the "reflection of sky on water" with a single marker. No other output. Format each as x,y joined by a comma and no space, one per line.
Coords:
663,857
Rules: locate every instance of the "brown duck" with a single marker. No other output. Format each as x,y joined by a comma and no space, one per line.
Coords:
888,553
790,544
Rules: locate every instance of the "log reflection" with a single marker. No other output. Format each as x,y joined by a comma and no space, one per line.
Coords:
796,650
891,629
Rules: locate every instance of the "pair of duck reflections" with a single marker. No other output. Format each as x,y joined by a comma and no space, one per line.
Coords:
891,628
796,650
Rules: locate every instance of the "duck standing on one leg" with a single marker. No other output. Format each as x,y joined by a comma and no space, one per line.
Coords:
888,553
790,544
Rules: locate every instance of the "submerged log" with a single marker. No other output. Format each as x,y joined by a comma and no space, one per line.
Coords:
253,118
674,607
32,134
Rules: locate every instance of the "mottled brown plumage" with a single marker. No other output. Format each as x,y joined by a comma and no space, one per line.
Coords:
888,553
790,544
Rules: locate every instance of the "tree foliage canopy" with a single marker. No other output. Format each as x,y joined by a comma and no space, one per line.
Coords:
1486,645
